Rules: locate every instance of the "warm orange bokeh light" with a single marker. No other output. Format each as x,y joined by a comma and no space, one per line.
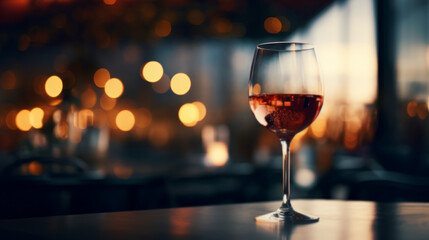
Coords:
122,172
22,120
53,86
412,109
36,117
101,76
11,119
189,114
152,71
89,98
114,88
180,83
272,25
109,2
143,118
162,28
125,120
8,80
107,103
196,17
201,110
162,85
217,154
35,168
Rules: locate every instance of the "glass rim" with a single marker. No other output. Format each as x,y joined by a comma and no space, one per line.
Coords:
276,46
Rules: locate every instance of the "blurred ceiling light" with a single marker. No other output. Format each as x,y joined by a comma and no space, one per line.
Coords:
53,86
201,109
114,88
217,154
189,114
196,17
143,118
162,28
36,117
125,120
162,85
107,103
272,25
109,2
22,120
8,80
180,83
89,98
101,76
152,71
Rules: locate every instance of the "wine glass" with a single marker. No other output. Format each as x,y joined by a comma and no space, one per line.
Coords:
286,96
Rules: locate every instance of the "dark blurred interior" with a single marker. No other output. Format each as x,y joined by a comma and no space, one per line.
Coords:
112,105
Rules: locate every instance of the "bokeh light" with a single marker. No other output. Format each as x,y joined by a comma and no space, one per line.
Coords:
89,98
109,2
152,71
162,28
202,111
196,17
189,114
162,85
11,119
143,118
53,86
36,117
107,103
125,120
412,109
122,171
8,80
217,154
22,120
101,76
180,83
114,88
273,25
35,168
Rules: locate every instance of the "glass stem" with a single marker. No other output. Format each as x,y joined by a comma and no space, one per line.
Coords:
286,174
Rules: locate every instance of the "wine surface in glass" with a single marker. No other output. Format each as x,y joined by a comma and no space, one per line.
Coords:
286,114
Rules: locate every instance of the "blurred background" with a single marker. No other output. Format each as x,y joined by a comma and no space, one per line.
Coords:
111,105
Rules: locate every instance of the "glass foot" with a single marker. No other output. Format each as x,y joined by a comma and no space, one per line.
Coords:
290,216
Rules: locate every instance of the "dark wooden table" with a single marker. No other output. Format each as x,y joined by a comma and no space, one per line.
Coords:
338,220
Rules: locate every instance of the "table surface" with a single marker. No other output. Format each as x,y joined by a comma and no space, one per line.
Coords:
338,220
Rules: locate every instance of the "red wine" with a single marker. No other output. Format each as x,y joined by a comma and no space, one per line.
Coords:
286,114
